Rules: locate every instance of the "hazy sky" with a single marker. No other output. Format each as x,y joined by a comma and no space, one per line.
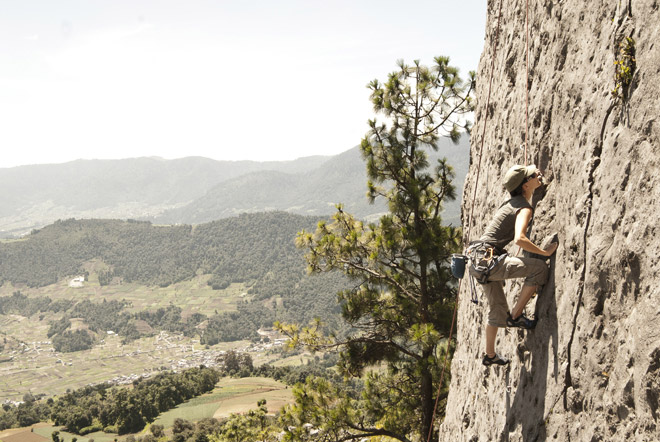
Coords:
229,80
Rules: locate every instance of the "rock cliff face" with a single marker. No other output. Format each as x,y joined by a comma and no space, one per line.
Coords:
591,369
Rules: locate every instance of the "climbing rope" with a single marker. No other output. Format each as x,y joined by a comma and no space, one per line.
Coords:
518,249
474,196
526,80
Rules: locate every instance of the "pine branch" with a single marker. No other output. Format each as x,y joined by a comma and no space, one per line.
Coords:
378,276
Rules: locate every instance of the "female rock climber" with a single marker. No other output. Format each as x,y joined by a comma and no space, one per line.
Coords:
510,223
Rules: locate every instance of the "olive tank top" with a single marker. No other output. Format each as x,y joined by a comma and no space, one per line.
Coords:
501,229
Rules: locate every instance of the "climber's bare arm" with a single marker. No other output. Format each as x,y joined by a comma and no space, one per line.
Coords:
521,240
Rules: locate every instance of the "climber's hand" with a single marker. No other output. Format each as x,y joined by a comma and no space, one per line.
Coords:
551,249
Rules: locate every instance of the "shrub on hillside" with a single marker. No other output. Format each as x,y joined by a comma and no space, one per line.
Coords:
70,341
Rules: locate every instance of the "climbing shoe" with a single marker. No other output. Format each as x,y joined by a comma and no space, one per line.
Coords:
495,360
522,321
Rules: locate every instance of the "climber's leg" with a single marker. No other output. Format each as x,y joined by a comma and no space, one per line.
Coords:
491,334
535,272
525,295
497,313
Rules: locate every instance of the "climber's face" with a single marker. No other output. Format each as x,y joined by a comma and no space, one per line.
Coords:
533,182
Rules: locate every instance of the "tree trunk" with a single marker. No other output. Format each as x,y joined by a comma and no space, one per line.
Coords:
426,387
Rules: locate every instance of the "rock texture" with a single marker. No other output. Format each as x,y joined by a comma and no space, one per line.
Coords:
591,369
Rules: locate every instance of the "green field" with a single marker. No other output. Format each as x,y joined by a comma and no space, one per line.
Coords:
42,432
229,396
99,436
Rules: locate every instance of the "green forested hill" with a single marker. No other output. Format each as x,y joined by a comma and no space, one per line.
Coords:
239,248
256,250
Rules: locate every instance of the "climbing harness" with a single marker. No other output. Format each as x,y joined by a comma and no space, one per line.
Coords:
483,259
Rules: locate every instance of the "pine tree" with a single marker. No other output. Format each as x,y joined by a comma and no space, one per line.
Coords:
401,303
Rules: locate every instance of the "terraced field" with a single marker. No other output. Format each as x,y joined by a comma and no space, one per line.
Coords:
29,363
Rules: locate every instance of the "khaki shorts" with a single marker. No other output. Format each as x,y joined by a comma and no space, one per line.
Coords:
535,272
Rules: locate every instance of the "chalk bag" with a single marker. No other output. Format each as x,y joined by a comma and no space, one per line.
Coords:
458,262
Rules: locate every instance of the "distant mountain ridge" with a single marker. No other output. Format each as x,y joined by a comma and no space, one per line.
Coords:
341,179
138,188
195,190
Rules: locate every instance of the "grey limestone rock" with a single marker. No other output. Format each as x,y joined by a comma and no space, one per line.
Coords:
590,371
